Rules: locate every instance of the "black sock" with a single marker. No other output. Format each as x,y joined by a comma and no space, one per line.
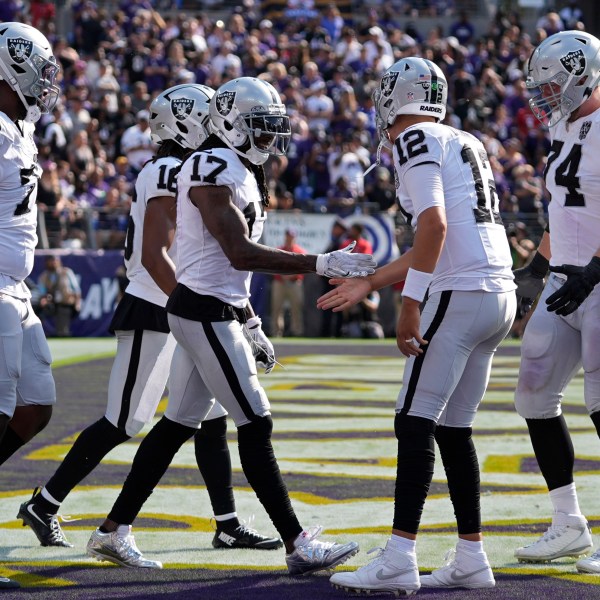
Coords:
10,443
262,471
462,472
228,524
596,421
416,459
152,459
92,445
44,505
553,450
214,462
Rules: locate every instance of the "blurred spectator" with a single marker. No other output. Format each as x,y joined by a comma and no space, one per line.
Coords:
571,15
136,143
362,321
355,235
341,200
463,30
382,191
319,107
60,295
288,290
331,322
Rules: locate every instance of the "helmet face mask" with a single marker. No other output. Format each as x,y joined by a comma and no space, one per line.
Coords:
562,72
411,86
180,113
248,115
29,67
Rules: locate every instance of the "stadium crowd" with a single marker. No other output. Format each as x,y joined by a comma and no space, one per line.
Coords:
115,62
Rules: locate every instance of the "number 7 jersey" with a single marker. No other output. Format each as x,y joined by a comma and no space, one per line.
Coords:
572,176
475,254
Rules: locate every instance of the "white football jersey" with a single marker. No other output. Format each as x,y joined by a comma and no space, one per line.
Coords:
572,176
19,174
475,254
157,178
202,266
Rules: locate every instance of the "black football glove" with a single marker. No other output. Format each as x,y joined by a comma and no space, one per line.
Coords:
530,281
579,285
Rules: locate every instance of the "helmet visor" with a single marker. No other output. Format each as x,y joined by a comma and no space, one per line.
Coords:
548,103
44,89
270,133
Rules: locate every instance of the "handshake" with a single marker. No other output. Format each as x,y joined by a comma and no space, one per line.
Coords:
342,263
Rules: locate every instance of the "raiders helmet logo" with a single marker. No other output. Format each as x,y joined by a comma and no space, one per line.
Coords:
225,102
19,49
182,108
585,129
574,62
388,82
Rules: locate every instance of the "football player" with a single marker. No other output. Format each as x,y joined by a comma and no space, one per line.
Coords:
221,210
28,89
460,267
562,335
144,345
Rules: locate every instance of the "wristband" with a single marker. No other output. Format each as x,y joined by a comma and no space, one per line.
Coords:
416,284
539,266
253,322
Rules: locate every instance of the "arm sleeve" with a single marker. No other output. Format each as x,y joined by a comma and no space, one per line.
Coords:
424,186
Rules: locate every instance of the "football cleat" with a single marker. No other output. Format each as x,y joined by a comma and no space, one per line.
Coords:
391,571
572,537
591,564
313,555
44,525
462,570
8,584
119,549
244,536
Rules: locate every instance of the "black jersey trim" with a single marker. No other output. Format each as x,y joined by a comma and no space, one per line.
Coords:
133,313
132,371
228,370
187,304
418,364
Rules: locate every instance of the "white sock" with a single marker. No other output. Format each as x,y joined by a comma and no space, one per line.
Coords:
564,500
470,547
402,544
123,530
226,517
47,496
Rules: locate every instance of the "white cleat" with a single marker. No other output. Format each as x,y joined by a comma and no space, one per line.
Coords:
314,555
591,564
391,571
119,549
569,535
462,570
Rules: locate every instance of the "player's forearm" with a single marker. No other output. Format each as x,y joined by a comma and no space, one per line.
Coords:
429,240
162,271
391,273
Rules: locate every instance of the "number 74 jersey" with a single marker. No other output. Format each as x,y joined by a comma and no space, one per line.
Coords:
476,254
572,176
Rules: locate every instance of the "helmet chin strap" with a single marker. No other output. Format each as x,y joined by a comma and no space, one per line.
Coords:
33,114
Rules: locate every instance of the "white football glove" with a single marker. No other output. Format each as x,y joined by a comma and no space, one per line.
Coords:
262,348
342,263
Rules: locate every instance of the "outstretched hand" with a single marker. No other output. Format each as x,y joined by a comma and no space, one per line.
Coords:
347,293
345,263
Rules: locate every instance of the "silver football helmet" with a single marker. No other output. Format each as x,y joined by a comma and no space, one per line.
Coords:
29,67
564,70
180,113
248,115
411,86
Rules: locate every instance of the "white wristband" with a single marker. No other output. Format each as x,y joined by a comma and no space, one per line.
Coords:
253,322
416,284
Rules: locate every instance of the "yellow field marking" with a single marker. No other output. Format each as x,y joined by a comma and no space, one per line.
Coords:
34,580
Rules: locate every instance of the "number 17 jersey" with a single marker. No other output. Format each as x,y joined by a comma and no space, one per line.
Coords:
475,254
572,176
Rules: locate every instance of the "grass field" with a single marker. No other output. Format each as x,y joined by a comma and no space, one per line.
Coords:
333,407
